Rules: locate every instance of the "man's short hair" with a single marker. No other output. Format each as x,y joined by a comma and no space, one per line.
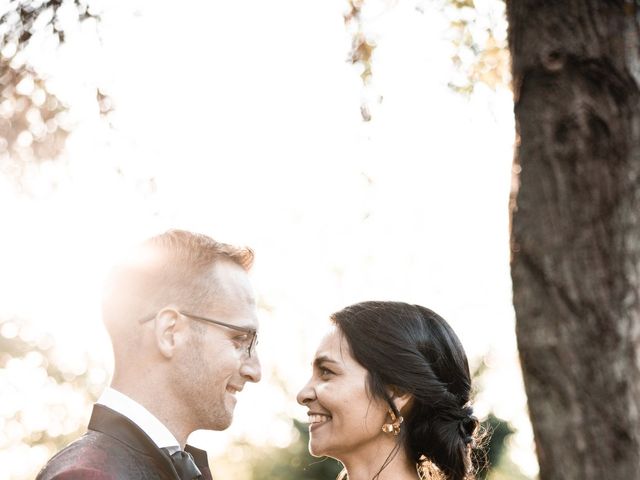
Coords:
173,267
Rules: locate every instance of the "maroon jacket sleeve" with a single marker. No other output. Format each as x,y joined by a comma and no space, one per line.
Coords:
80,473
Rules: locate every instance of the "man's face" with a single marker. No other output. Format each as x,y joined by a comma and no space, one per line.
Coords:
215,365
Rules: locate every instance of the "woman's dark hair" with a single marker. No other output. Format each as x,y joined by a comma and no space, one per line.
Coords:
413,350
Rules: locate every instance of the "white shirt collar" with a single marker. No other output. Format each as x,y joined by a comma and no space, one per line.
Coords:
139,415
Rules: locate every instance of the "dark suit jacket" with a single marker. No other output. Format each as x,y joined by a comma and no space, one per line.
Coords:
115,448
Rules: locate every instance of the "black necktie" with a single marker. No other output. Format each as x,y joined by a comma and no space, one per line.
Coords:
184,464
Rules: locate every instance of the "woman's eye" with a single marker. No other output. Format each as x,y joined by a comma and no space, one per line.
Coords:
324,372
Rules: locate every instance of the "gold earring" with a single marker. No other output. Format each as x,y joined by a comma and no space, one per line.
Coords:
394,426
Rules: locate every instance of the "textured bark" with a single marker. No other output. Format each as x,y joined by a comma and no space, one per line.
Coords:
576,232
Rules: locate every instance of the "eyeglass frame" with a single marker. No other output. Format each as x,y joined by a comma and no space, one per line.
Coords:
252,343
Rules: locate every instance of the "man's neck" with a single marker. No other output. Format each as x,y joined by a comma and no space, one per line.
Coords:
143,414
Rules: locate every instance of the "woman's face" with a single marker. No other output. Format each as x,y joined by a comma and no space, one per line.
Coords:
343,417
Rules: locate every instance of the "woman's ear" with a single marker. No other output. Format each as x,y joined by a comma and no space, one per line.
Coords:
402,400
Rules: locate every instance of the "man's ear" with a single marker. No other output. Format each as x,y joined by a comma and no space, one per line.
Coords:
167,324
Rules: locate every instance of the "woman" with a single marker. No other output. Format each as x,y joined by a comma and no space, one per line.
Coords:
389,395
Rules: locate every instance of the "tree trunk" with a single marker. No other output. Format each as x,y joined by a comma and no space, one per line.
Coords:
576,232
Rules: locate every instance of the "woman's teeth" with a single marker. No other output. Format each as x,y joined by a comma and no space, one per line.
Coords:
314,418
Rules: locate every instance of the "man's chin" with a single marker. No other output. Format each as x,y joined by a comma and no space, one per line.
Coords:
225,422
218,423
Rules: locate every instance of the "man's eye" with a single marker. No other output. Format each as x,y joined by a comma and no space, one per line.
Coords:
241,339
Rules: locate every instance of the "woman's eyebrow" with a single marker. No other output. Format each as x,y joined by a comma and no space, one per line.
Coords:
323,359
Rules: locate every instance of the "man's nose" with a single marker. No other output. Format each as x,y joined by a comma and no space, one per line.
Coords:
251,369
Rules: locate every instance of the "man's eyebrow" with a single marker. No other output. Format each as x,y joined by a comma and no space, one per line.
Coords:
247,329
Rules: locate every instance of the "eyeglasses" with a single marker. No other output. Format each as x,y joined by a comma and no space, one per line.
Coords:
252,335
249,343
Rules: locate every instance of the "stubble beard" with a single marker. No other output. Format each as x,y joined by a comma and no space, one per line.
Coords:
217,415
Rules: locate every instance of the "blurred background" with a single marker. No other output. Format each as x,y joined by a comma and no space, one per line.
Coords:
362,148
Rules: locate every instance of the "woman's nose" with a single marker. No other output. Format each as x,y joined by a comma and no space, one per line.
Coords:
306,395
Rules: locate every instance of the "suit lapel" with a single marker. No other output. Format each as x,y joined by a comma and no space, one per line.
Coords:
200,457
110,422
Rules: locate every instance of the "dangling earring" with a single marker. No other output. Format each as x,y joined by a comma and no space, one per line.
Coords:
394,426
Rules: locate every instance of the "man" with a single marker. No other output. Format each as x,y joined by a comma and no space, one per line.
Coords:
182,318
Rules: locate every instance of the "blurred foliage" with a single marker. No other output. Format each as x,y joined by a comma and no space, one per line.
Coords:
492,449
361,48
507,470
491,460
33,124
294,461
478,33
45,396
24,16
479,37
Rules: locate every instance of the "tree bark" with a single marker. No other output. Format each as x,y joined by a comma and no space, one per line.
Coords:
576,231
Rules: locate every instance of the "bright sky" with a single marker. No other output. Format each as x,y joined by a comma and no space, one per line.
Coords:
242,120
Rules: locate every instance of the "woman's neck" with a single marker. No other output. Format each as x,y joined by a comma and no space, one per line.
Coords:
366,467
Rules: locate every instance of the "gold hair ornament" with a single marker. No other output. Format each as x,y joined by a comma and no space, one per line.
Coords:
422,473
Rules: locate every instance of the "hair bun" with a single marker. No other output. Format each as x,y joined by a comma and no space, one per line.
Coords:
468,426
